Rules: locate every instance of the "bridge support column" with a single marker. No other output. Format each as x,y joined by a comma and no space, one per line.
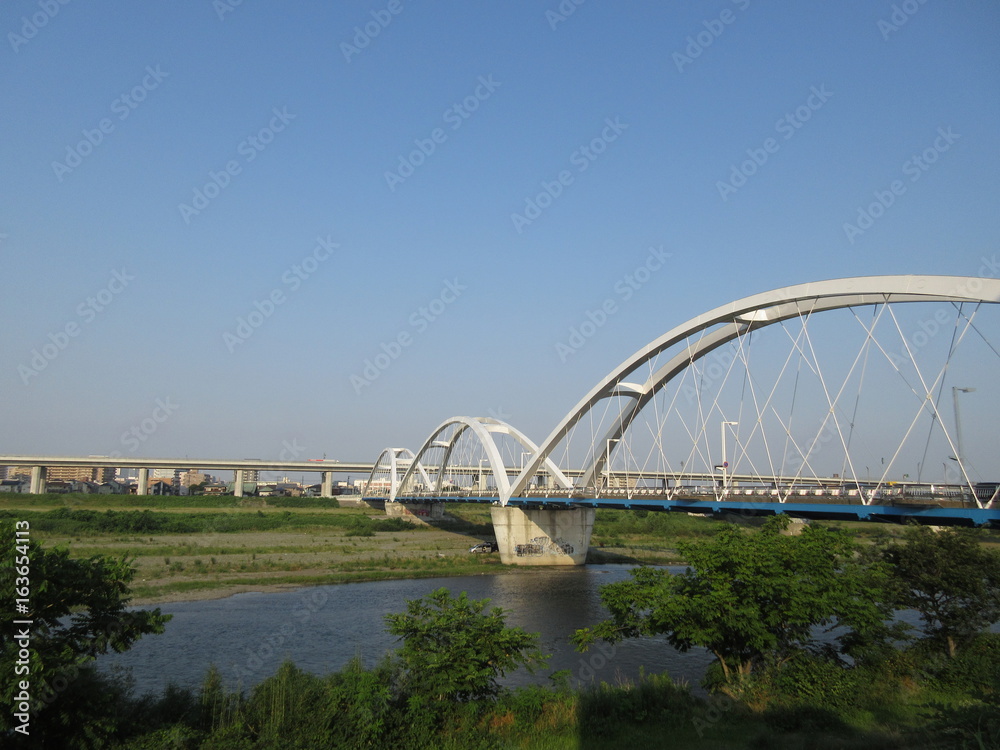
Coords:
37,480
542,537
327,489
238,483
143,486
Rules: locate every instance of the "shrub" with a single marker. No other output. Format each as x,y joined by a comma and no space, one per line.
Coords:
360,526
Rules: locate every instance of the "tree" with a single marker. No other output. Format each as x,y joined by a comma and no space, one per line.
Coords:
950,579
77,610
453,650
754,599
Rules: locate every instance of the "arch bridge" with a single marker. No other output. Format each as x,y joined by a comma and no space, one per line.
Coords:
833,399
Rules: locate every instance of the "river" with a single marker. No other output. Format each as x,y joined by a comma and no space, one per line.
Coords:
321,628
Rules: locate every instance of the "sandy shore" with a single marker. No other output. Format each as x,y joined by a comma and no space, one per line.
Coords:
220,592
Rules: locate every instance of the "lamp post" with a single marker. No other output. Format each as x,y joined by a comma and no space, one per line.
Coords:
725,463
607,461
960,457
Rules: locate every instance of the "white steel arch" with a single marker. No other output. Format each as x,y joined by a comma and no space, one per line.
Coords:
734,320
393,461
483,428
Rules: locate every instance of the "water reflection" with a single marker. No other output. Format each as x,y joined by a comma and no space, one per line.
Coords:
321,628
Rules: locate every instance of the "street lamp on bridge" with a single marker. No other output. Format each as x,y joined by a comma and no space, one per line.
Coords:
480,477
960,457
725,463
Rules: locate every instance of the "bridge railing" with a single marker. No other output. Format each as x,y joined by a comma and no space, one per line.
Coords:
943,496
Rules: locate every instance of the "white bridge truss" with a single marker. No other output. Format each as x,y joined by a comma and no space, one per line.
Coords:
851,390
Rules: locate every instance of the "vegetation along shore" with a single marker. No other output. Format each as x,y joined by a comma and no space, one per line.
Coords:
808,653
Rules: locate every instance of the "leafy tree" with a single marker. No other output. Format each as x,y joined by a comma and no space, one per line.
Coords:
77,610
950,579
453,650
753,599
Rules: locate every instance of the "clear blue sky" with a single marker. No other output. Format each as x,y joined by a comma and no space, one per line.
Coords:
182,87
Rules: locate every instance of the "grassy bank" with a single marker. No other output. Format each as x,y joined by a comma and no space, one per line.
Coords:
197,547
906,695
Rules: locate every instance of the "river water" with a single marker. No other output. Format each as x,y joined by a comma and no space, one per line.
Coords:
321,628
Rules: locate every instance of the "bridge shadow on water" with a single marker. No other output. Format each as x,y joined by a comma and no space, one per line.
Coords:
602,556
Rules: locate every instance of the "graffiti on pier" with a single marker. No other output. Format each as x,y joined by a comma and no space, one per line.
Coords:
542,545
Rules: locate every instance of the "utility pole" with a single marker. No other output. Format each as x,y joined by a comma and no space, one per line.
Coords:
958,426
725,463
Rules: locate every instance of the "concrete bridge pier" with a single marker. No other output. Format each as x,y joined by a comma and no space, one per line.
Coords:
326,489
542,537
37,480
143,486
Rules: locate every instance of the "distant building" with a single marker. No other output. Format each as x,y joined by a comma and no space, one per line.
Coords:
615,482
191,477
279,489
113,487
98,474
161,487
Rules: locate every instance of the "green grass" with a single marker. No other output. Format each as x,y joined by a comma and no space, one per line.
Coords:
650,713
66,521
96,501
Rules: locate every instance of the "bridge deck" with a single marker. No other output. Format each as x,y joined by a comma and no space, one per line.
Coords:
939,513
